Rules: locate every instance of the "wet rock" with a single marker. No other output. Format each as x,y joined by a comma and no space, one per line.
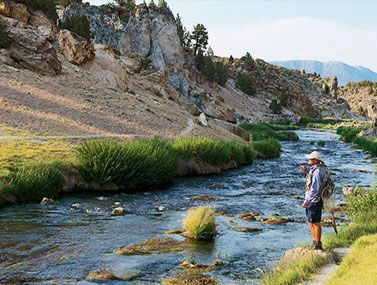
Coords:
119,211
247,229
348,190
193,266
175,232
4,8
255,213
19,12
217,186
247,217
161,208
101,275
187,278
224,214
47,201
297,253
296,197
203,197
275,221
155,246
76,49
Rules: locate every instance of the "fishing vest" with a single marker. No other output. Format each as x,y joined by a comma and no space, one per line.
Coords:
309,177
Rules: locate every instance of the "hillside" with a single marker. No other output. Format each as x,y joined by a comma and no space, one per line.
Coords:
344,72
134,79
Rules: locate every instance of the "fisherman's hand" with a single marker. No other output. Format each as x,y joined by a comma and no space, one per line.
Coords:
303,168
304,205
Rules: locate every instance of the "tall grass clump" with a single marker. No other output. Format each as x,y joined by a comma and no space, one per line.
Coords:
362,201
199,224
33,181
288,136
132,164
213,151
347,134
267,148
350,135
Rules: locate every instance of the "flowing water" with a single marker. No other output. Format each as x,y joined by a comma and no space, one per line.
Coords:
63,242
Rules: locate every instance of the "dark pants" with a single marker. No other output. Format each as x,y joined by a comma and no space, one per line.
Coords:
314,212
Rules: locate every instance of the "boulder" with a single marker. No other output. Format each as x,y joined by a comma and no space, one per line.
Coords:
299,252
4,8
76,49
47,201
348,190
203,119
19,12
44,25
233,128
31,50
119,211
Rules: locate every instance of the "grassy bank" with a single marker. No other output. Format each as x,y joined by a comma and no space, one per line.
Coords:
350,135
362,209
34,169
266,138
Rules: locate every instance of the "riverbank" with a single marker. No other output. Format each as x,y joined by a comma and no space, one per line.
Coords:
361,207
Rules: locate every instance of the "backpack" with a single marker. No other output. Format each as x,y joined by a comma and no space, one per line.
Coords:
329,188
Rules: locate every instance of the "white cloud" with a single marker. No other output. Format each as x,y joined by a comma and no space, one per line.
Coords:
298,38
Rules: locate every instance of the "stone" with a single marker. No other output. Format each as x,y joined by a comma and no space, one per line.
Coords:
32,51
5,9
119,211
19,12
203,119
76,49
247,217
46,201
275,221
233,128
44,25
297,253
348,190
247,229
203,197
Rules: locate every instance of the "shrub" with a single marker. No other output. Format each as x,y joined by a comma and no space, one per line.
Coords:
199,223
33,181
260,131
362,201
132,164
287,136
5,39
275,106
65,3
347,134
246,84
267,148
213,71
45,6
79,25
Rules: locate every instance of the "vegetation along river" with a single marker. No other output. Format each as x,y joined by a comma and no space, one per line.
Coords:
63,242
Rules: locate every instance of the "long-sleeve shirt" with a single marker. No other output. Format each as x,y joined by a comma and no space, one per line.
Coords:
316,179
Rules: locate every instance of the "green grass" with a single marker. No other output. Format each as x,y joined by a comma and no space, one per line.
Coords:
213,151
310,120
350,135
33,181
199,223
132,164
296,271
268,148
271,131
360,266
287,136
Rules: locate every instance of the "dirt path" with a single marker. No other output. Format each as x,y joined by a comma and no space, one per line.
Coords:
328,271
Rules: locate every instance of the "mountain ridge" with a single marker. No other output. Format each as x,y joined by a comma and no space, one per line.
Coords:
344,72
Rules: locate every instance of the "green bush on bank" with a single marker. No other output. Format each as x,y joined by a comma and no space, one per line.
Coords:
213,151
350,135
132,164
33,181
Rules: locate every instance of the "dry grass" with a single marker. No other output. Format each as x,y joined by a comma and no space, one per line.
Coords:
199,223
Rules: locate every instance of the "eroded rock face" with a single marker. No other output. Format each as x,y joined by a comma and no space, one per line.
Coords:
149,32
30,49
76,49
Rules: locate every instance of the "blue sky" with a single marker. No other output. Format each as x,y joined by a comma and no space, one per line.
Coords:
285,29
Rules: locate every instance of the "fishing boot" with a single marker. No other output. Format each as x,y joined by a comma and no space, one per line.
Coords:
317,245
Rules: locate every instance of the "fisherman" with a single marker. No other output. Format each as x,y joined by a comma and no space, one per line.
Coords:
315,181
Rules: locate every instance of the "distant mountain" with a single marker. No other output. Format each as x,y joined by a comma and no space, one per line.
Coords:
344,72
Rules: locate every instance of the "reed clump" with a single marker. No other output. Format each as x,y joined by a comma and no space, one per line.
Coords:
132,164
267,148
199,224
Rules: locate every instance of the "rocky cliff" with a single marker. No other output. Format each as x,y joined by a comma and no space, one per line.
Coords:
134,79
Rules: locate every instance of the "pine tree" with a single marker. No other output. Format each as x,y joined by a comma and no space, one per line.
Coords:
248,61
245,84
200,38
210,52
231,59
180,29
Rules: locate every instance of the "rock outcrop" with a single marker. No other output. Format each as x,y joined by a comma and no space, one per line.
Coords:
4,8
19,12
76,49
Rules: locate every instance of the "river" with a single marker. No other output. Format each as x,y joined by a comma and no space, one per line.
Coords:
63,242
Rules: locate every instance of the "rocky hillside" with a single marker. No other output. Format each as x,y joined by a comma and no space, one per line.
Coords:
134,79
362,97
344,72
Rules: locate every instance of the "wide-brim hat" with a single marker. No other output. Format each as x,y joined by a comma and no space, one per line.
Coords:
314,155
